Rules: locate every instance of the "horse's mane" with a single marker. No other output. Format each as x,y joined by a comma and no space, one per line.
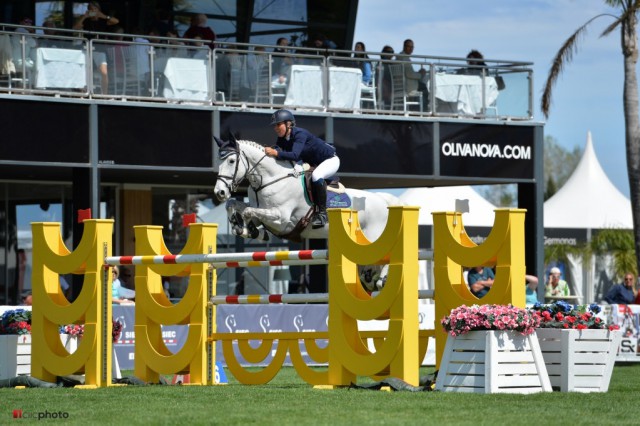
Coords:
256,146
252,144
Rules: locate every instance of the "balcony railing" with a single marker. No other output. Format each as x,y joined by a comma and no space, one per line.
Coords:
255,76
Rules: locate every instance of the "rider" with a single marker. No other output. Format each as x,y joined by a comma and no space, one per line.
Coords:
298,144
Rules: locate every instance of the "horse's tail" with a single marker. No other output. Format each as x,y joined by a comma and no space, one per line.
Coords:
390,199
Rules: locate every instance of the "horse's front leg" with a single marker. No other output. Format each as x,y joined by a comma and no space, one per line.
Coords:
244,224
234,212
270,216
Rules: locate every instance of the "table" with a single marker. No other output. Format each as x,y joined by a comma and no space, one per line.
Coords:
185,78
306,87
464,92
570,299
60,68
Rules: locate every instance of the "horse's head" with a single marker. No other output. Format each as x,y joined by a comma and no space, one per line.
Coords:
232,169
245,159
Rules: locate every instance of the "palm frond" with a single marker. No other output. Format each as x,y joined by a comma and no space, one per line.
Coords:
561,252
563,57
627,11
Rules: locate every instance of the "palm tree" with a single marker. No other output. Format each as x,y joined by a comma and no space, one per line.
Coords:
627,22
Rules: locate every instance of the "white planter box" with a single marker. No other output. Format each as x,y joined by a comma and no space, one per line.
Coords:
493,362
15,355
579,360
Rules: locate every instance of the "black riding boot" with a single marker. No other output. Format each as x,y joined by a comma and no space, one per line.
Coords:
320,196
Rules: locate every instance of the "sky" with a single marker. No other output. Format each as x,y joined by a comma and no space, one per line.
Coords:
588,95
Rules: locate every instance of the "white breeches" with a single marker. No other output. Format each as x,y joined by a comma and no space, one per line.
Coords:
327,168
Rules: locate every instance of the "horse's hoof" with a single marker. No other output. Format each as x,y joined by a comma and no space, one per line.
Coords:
237,230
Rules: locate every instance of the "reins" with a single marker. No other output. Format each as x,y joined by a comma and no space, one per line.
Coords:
232,184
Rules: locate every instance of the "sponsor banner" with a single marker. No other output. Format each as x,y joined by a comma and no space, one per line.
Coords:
256,319
628,318
486,151
564,236
270,319
174,336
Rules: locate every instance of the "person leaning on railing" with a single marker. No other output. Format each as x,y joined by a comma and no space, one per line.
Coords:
96,21
365,66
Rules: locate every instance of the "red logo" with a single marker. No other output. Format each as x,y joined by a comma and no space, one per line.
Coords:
17,414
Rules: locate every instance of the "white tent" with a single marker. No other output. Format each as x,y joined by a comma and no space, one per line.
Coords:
481,212
588,200
208,213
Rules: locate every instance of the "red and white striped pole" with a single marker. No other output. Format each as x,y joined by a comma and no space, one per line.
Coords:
228,260
238,260
266,299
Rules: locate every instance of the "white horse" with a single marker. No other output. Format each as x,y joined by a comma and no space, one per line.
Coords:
278,202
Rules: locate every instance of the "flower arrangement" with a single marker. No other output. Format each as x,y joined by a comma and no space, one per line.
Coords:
16,321
464,318
76,330
561,314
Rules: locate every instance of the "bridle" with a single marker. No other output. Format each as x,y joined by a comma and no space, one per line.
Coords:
232,182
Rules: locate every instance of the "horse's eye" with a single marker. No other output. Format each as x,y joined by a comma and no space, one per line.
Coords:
232,161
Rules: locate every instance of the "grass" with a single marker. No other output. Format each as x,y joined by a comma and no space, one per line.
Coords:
288,400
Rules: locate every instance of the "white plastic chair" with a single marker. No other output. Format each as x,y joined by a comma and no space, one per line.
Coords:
400,99
369,93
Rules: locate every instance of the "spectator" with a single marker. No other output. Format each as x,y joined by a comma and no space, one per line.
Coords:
414,80
163,23
475,60
624,293
282,64
29,47
24,272
126,291
176,46
384,77
199,30
166,285
115,288
64,285
480,280
531,297
50,30
50,27
199,53
27,298
321,41
96,21
555,286
365,66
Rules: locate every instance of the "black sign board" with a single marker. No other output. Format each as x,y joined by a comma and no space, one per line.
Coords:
485,150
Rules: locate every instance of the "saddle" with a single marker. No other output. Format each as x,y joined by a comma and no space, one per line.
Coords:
333,184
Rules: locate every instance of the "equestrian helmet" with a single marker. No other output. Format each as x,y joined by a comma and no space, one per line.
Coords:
282,115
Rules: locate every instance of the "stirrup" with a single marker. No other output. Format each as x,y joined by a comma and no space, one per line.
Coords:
319,220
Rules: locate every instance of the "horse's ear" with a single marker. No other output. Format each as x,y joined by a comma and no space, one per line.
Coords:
219,142
232,139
